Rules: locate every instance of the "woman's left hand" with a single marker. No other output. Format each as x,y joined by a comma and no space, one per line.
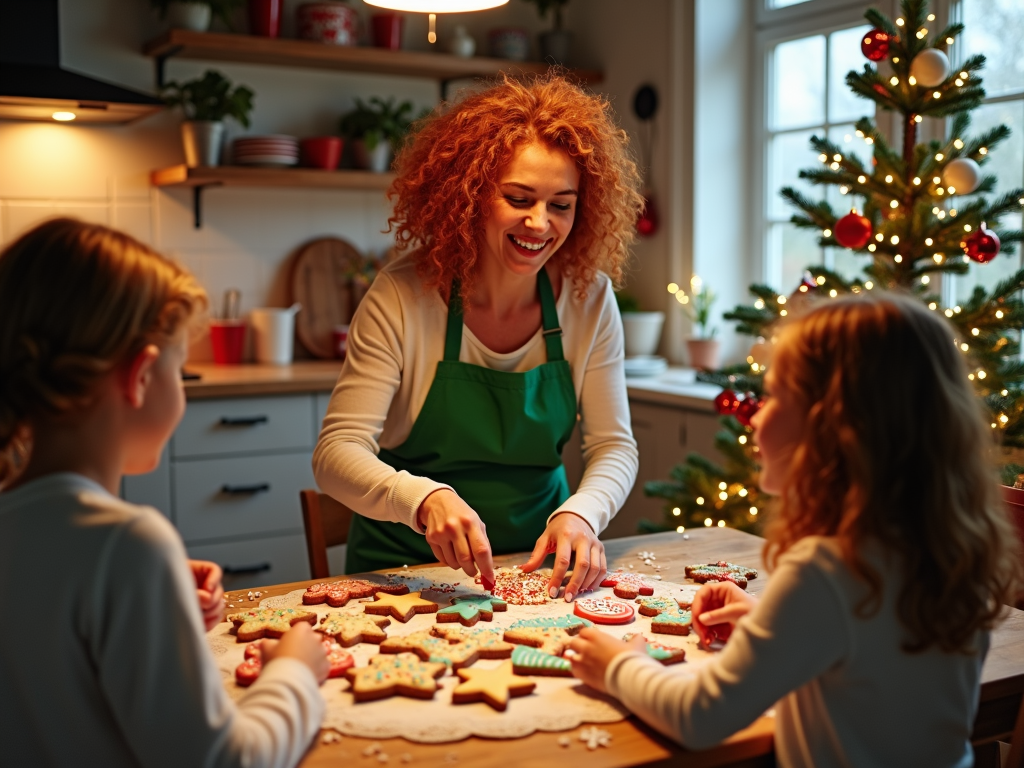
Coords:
565,535
209,590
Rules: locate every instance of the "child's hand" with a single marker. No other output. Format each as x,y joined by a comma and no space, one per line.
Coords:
717,606
209,590
302,643
593,650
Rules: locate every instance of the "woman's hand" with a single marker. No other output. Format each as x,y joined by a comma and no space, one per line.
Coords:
592,652
565,535
717,607
456,534
209,591
301,643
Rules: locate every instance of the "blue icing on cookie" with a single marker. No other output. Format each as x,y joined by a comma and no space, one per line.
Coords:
531,658
568,621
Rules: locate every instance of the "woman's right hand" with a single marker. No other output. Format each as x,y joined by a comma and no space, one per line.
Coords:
716,608
301,643
456,534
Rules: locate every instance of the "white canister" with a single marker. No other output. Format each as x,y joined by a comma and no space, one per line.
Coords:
273,331
642,332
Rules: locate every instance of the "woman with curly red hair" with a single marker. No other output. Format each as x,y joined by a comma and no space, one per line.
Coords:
474,355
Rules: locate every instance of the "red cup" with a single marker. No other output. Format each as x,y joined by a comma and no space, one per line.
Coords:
387,30
320,152
265,18
228,340
339,338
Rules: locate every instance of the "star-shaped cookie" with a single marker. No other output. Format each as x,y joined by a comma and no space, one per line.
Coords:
338,593
349,630
488,641
469,610
429,647
403,674
402,607
267,622
493,686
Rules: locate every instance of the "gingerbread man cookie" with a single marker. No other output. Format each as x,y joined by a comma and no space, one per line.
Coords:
469,610
493,686
267,622
402,607
488,641
531,661
429,647
349,630
338,593
403,674
721,571
627,585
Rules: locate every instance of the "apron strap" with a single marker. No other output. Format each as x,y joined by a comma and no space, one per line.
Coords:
549,319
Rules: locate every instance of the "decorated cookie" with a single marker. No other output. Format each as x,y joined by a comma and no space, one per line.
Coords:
493,686
430,647
403,674
666,654
469,610
627,585
549,639
338,593
568,622
348,630
518,588
247,672
603,610
652,606
267,622
721,571
402,607
488,642
340,660
531,661
672,623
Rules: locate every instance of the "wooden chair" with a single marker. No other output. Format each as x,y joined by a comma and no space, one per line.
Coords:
326,521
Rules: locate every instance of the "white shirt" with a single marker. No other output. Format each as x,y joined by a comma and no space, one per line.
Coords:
394,345
103,657
846,694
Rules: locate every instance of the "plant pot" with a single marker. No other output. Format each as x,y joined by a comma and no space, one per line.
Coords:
320,152
555,46
377,159
387,30
265,18
194,16
642,332
703,353
202,141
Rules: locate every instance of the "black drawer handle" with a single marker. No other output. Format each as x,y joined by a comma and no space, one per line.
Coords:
243,421
243,490
241,570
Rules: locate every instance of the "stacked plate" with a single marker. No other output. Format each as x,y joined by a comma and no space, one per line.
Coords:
645,365
274,150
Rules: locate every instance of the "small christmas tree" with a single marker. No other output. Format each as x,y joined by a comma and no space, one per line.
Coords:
923,213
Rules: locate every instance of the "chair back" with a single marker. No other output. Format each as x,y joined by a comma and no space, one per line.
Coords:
1014,500
326,521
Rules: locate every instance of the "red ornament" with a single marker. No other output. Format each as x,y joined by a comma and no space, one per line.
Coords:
875,45
727,402
981,246
750,405
852,230
647,222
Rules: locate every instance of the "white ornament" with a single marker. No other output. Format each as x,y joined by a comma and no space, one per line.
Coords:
963,174
930,67
462,43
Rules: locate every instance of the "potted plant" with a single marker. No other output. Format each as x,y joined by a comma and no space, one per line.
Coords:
195,14
554,44
641,330
206,102
703,346
374,130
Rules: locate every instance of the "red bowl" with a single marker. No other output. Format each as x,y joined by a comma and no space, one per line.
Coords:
321,152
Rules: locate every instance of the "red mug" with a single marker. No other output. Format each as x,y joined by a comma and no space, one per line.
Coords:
265,18
228,340
320,152
387,30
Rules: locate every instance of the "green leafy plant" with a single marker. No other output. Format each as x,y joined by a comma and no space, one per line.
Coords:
219,9
555,6
697,306
210,97
626,302
377,121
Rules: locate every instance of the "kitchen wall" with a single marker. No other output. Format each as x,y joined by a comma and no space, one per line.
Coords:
101,174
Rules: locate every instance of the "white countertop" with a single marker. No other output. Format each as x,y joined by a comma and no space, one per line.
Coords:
675,387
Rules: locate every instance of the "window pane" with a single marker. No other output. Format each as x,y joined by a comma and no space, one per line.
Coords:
789,154
1000,268
995,28
843,55
849,264
1006,161
795,250
784,3
799,87
846,137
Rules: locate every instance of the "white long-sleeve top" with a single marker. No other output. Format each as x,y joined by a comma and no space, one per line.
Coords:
846,694
394,345
103,656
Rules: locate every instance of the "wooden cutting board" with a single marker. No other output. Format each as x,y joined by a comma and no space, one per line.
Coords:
321,280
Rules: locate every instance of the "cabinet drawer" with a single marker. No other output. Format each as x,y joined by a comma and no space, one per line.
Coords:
225,498
257,562
239,425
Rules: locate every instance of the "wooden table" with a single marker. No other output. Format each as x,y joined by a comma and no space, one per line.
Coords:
635,744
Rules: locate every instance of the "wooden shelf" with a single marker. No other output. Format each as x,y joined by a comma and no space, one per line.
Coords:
199,179
216,46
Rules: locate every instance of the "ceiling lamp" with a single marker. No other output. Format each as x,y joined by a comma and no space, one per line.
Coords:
434,7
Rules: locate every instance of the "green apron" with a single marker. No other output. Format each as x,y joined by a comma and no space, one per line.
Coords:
496,437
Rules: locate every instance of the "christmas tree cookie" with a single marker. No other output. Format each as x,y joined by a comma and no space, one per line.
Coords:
531,661
721,571
349,630
493,686
403,674
267,622
402,607
469,610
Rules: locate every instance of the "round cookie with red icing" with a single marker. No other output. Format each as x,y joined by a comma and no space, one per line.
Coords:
603,610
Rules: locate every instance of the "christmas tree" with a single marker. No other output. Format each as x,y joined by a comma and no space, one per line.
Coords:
922,214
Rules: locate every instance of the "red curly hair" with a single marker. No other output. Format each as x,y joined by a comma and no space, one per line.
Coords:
448,175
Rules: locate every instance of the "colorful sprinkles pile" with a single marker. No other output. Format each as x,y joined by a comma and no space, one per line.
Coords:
518,588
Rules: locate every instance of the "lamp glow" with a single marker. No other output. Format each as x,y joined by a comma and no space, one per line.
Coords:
437,6
63,117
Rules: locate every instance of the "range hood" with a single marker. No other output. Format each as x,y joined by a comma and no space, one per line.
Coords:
33,86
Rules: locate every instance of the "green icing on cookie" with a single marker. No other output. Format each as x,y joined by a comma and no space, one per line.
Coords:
469,607
673,617
659,603
523,656
569,621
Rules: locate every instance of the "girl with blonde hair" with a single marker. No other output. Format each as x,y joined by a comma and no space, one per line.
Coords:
891,553
108,663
